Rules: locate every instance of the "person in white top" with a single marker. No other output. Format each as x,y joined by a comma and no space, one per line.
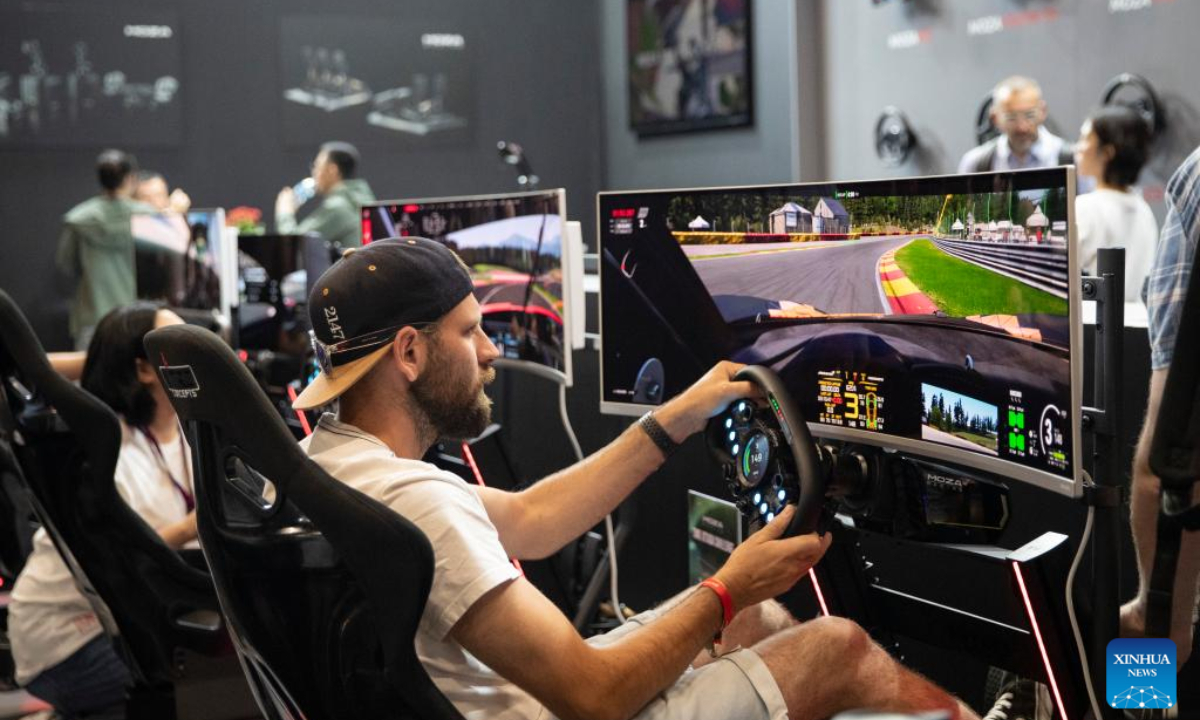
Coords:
398,333
60,651
1112,148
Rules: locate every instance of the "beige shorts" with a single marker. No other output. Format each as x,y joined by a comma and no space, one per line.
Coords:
737,686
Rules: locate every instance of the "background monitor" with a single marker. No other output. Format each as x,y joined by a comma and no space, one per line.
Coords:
275,273
516,248
935,315
178,258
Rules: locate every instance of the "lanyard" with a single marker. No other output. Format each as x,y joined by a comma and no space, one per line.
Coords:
188,500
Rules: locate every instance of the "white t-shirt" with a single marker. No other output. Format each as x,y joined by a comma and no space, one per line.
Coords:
48,618
1113,219
469,559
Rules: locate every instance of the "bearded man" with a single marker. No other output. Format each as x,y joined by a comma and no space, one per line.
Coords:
398,333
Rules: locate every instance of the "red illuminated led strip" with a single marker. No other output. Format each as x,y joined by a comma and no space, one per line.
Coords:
812,575
466,453
490,308
1037,634
300,413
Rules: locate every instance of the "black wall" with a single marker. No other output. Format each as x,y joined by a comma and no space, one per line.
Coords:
536,81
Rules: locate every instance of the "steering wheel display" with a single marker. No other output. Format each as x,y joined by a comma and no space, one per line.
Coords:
768,456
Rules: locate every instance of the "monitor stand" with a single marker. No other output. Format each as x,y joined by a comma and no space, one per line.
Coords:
1103,494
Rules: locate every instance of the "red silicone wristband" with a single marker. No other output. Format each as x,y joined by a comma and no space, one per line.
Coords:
723,595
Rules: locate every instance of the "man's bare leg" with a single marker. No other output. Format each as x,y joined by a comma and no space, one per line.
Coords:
750,627
829,665
1143,518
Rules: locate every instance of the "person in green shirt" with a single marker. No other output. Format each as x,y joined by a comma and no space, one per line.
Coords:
96,248
337,219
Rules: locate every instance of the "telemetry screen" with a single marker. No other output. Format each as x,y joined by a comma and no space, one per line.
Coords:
850,399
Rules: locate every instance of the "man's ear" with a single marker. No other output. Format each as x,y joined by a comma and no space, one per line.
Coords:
410,352
145,371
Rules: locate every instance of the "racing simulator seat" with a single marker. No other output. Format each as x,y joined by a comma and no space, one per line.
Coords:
61,445
16,527
323,621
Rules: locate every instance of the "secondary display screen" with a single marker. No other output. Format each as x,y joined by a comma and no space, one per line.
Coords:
928,314
513,246
178,258
275,276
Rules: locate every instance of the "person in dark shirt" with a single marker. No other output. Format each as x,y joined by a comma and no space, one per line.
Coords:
1019,112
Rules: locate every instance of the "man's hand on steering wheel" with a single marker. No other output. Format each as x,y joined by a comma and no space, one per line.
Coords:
708,396
768,564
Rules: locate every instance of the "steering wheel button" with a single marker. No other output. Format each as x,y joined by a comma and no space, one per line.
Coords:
782,494
763,508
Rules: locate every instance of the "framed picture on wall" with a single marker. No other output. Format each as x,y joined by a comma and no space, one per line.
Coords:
689,65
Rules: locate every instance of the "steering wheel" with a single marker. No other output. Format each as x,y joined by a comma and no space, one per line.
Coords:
768,455
985,129
1137,93
894,137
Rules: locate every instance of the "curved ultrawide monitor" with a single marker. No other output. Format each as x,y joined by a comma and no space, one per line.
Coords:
936,315
515,247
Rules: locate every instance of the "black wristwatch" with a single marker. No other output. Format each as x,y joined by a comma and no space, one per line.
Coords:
656,433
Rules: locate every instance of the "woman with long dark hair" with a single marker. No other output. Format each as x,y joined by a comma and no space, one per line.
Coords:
60,651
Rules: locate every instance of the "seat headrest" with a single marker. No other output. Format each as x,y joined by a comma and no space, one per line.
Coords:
94,423
206,383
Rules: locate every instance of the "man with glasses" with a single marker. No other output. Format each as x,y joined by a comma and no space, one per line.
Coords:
1018,111
343,194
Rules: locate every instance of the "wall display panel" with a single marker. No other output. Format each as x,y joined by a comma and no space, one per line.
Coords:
379,81
689,65
79,76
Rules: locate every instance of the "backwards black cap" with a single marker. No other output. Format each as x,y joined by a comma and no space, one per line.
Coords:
361,302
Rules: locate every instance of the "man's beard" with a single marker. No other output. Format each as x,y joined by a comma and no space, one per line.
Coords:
453,407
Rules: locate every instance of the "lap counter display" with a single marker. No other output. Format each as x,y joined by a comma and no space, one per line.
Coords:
850,399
